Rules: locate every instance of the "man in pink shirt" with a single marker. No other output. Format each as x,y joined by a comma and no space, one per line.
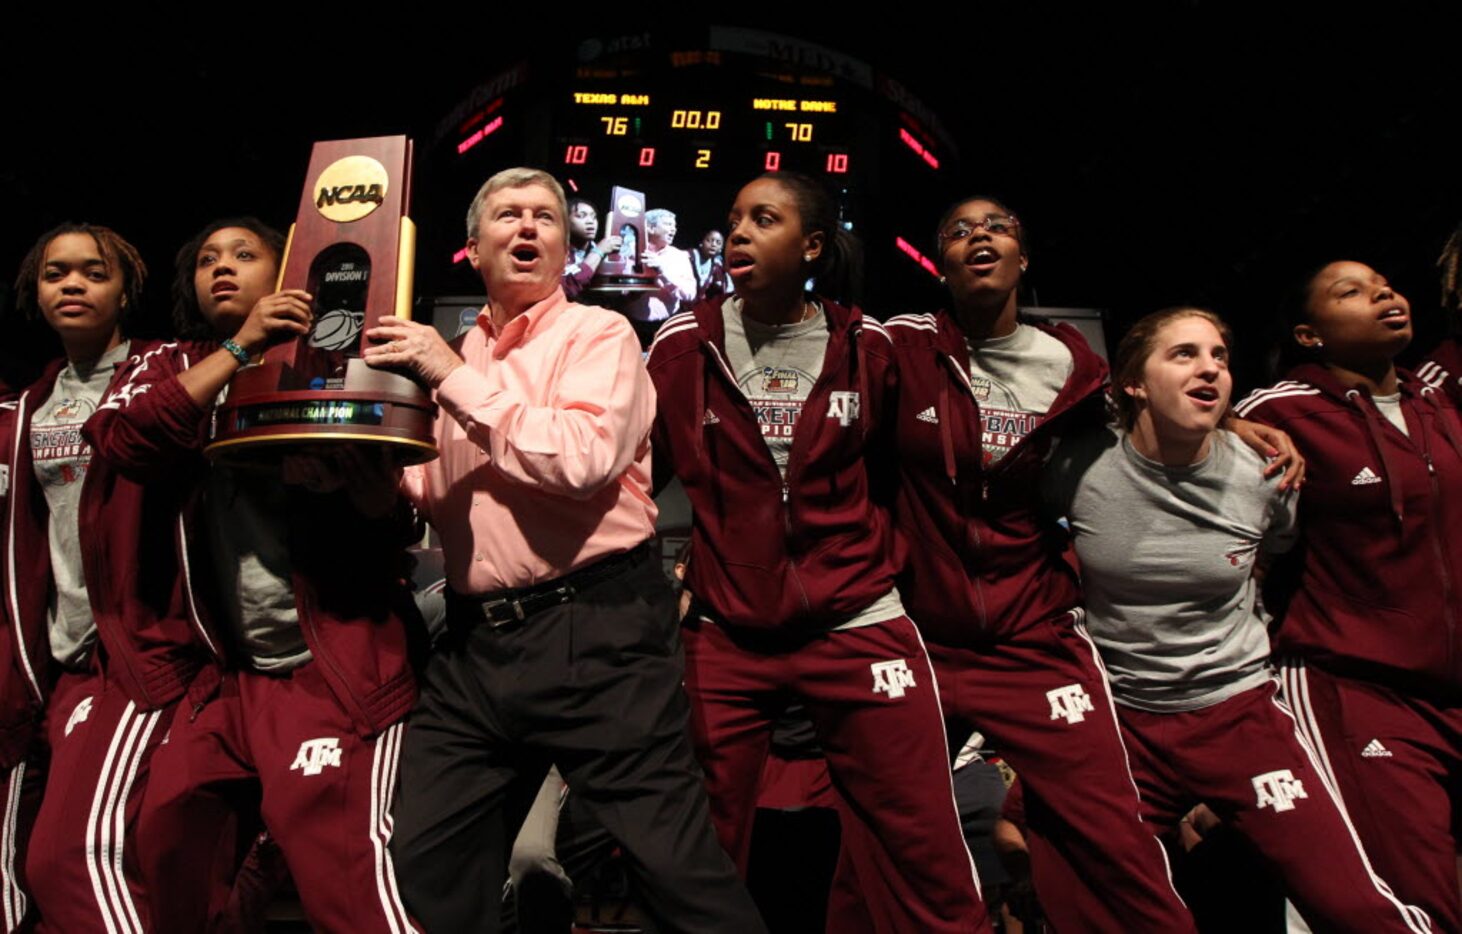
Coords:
562,645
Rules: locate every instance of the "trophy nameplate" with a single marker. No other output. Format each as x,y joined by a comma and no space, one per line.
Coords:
353,248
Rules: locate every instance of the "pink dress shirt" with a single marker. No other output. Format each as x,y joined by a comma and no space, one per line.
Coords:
545,448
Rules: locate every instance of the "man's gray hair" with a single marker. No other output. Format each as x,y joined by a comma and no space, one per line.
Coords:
520,177
654,217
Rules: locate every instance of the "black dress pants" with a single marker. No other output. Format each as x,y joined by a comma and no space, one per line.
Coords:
595,687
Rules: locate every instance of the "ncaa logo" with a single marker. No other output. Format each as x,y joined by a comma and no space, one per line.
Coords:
1070,702
1278,790
891,677
316,754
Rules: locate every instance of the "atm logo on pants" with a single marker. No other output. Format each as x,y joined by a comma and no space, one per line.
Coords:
1071,703
316,754
1278,790
891,677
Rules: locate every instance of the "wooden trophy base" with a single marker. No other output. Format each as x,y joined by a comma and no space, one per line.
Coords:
265,417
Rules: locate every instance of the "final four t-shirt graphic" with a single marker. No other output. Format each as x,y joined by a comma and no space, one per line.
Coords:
1015,379
775,366
60,457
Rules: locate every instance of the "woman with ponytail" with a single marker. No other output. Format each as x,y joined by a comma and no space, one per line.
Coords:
773,407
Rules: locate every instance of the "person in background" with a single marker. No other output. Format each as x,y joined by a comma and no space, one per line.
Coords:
674,279
710,267
585,255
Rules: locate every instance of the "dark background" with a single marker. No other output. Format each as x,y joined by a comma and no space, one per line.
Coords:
1184,152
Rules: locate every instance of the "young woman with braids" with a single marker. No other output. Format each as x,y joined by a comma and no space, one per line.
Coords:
1172,518
773,402
1369,603
80,701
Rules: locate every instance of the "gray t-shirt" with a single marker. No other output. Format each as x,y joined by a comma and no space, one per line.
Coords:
1390,406
1016,379
1167,558
775,366
247,512
61,457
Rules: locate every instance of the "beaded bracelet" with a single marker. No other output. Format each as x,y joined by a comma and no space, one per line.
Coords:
240,354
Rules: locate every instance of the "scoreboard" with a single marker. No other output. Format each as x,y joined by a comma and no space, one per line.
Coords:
753,134
688,117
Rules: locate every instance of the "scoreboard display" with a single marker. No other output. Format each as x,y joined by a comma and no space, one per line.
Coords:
632,129
688,118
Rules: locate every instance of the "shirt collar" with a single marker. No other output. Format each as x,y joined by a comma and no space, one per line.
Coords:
517,331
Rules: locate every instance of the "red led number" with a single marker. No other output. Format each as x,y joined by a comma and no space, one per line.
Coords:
837,163
647,155
774,161
576,155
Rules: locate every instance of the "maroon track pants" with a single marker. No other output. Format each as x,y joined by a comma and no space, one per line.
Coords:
872,696
1244,757
278,745
1397,761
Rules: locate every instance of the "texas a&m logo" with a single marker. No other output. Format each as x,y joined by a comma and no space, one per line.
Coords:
1071,703
79,713
1278,790
316,754
843,406
891,677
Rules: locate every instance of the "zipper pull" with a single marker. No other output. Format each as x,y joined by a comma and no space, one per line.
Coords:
1430,467
197,709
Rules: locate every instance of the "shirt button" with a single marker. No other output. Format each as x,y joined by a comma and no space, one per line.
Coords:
477,557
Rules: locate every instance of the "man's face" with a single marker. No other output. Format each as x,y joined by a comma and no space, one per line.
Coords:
662,234
519,248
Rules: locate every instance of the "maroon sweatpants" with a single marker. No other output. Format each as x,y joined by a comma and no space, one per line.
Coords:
1245,759
1042,701
81,860
871,694
279,745
20,796
1397,761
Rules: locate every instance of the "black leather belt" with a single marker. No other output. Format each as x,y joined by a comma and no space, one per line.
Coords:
504,608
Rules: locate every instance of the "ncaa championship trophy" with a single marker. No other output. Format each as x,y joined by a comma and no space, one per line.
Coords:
353,248
623,272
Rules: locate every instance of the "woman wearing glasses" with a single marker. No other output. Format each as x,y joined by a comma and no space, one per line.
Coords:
983,397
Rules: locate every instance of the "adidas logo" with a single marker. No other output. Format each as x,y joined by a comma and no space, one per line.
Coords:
1366,475
1374,750
928,415
710,418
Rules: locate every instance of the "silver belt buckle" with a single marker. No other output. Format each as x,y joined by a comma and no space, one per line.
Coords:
488,606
